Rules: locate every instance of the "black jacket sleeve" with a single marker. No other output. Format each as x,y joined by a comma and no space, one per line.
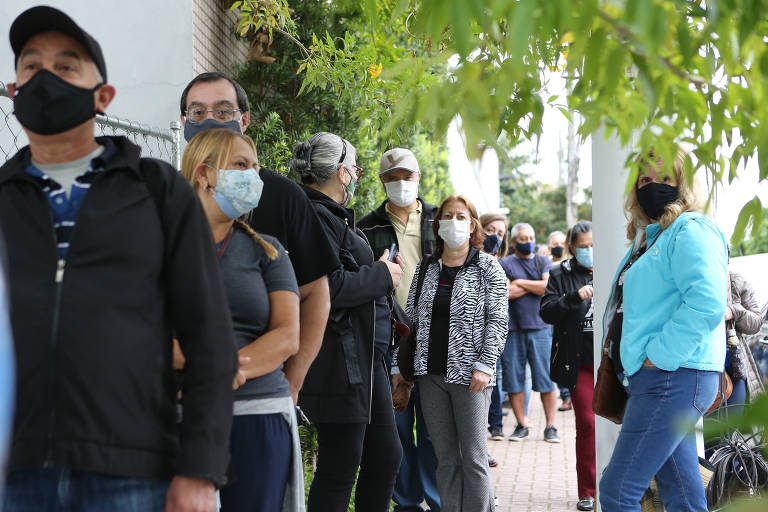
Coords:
200,315
558,301
352,288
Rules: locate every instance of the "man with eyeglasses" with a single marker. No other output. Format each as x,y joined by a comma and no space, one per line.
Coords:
107,254
213,100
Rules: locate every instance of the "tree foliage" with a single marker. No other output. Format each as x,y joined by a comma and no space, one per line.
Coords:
287,108
667,72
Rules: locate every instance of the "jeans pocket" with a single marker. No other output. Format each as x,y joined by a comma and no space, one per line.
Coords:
706,389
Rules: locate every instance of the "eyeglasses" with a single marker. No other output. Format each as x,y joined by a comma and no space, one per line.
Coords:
223,113
356,171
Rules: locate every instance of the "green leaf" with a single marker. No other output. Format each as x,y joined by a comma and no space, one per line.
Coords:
751,215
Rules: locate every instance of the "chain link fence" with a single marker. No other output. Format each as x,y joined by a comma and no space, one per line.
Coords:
154,142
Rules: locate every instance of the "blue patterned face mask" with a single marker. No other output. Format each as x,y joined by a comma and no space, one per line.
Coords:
584,256
237,192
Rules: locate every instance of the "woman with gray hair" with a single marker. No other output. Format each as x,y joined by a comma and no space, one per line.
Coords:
346,393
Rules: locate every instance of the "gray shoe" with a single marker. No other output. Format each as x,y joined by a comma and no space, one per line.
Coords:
496,434
550,434
587,504
519,434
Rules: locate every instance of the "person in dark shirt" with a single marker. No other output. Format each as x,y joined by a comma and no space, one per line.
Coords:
567,304
263,298
213,100
529,339
346,393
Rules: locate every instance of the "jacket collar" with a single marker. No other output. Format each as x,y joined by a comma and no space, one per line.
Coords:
381,211
472,257
335,208
126,155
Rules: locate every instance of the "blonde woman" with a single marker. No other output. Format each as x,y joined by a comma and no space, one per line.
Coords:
263,298
665,319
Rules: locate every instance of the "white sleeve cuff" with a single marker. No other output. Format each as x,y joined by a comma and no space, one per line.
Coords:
483,368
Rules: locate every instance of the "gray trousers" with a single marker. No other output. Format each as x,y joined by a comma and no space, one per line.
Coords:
456,420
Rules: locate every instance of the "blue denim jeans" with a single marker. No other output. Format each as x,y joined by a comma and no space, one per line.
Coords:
495,413
657,439
416,480
62,490
528,346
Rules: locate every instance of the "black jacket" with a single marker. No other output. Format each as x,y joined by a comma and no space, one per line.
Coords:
96,388
380,232
562,307
339,383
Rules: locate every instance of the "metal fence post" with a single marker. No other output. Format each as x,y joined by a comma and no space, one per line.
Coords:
176,147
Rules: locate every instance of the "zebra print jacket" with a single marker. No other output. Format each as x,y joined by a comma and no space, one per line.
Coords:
478,324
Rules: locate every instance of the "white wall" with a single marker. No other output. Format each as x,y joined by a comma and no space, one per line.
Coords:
609,179
476,179
147,46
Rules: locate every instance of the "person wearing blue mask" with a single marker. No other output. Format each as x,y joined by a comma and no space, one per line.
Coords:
263,299
567,305
529,339
214,100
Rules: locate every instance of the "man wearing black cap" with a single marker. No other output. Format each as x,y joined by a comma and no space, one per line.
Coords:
106,253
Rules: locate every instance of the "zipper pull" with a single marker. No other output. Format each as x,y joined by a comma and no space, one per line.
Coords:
60,270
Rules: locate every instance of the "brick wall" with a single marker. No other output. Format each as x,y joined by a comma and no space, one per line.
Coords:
215,46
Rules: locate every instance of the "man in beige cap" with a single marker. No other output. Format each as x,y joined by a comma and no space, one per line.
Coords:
406,221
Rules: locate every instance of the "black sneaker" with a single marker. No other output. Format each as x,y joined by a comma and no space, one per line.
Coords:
550,434
497,434
519,433
587,503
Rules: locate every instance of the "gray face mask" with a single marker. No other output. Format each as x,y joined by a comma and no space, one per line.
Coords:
192,128
349,190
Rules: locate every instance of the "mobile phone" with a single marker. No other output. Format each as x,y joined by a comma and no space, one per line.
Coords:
392,252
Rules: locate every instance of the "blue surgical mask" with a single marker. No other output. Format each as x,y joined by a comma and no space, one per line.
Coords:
192,128
491,244
584,257
237,192
526,248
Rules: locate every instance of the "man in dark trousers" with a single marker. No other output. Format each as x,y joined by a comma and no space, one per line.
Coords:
406,221
109,254
213,100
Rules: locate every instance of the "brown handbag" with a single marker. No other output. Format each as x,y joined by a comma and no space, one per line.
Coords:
610,397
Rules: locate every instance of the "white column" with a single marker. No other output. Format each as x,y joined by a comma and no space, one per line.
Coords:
609,179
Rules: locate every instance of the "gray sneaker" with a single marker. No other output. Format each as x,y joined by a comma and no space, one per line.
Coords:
519,433
496,434
550,434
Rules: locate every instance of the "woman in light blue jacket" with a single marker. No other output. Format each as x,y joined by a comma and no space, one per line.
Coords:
665,322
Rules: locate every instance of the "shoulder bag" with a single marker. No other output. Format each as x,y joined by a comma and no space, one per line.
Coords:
610,397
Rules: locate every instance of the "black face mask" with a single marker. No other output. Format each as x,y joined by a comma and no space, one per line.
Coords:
192,128
557,252
491,244
654,197
48,105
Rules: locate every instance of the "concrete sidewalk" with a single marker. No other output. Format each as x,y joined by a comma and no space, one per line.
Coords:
534,475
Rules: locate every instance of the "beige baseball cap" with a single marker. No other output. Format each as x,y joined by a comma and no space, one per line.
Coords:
398,158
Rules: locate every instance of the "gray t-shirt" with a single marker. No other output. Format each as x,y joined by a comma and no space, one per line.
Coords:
249,276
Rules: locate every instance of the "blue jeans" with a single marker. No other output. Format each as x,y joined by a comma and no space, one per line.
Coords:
62,490
657,439
416,480
533,346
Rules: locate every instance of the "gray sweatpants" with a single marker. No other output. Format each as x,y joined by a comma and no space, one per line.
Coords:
456,420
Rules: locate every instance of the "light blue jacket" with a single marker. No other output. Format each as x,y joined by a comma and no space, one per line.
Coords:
675,296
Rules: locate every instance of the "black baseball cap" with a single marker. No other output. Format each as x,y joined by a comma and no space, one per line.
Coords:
44,19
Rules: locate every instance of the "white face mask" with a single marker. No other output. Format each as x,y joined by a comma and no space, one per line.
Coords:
454,232
402,193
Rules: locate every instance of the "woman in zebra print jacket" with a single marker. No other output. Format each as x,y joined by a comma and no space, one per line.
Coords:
461,322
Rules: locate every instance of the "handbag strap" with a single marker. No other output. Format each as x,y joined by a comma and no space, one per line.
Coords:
419,282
